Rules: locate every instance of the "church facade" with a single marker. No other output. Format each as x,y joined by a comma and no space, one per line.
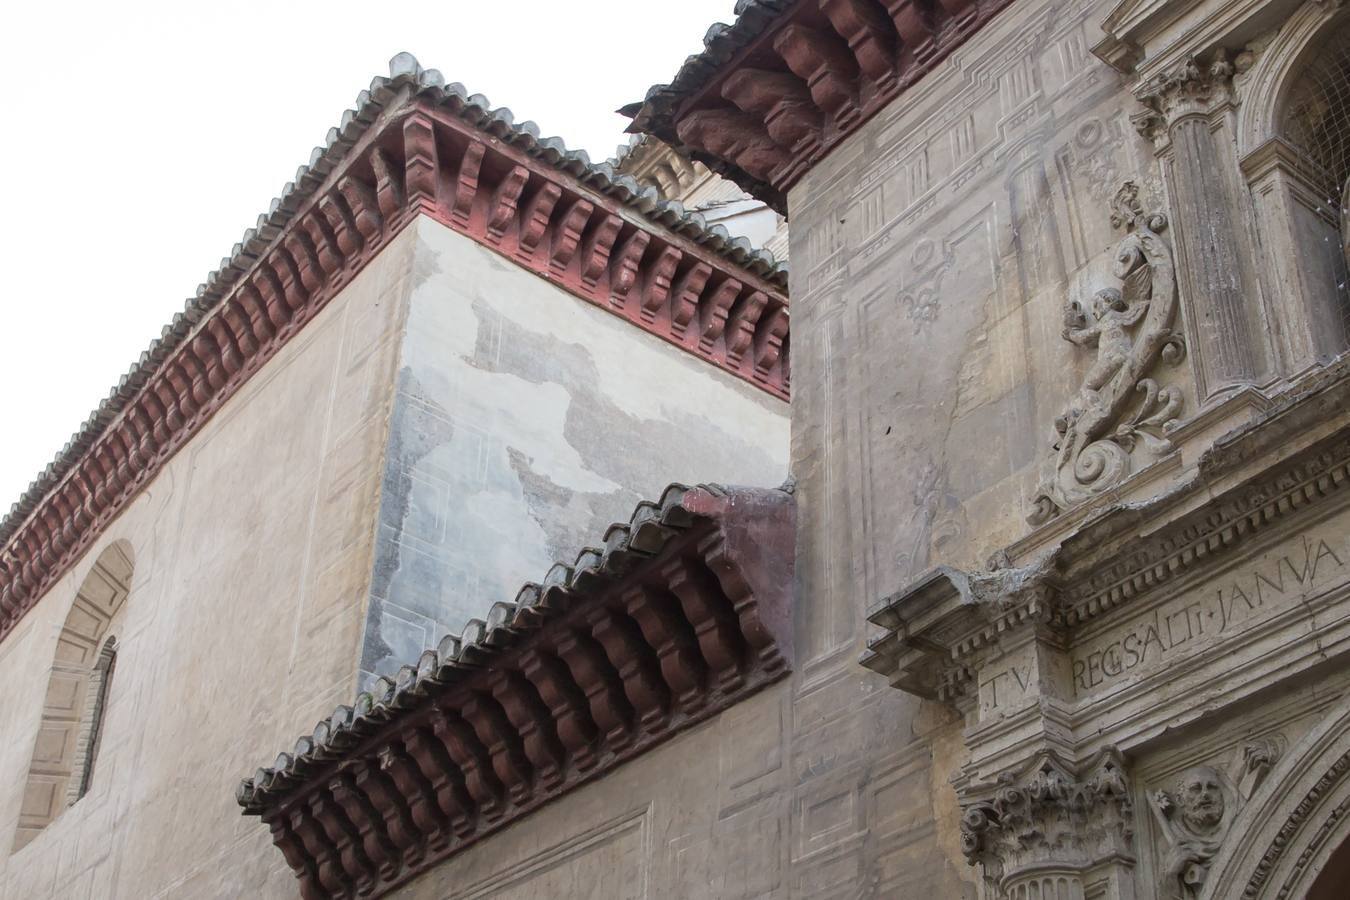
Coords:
1038,587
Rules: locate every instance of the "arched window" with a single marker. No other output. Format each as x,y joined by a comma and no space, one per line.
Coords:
1294,132
1316,116
79,693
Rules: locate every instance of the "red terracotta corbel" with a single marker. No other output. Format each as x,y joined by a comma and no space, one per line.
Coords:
741,328
504,199
595,252
567,235
535,221
625,267
365,207
420,162
687,291
658,283
715,312
869,34
769,341
826,65
466,182
388,186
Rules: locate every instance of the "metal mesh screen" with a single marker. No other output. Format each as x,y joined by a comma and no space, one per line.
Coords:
1317,118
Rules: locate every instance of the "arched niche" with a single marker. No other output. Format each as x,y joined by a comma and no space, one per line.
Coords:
65,749
1293,829
1294,137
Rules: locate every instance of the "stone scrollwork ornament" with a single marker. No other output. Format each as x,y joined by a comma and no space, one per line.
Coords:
1118,406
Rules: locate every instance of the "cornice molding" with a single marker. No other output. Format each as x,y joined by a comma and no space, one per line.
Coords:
412,146
935,630
684,612
775,92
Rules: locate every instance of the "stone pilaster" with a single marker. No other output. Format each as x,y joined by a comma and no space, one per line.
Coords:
1183,114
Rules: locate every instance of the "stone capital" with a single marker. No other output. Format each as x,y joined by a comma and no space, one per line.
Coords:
1050,822
1194,89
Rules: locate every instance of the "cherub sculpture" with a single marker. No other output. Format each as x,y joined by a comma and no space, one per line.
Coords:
1131,329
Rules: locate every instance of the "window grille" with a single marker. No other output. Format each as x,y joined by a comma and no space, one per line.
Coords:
1317,115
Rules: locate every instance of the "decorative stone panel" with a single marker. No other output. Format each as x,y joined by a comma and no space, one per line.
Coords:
1147,618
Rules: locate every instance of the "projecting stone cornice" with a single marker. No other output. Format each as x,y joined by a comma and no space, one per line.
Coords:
411,146
935,632
684,611
777,90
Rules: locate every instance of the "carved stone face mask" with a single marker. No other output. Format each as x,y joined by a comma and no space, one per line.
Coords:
1201,797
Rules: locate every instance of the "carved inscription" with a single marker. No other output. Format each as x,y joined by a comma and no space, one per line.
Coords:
1302,567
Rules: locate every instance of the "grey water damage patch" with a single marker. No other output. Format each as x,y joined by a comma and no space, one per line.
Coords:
405,580
634,450
561,513
523,424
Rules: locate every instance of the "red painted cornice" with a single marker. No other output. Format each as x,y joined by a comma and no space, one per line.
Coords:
775,92
685,611
413,146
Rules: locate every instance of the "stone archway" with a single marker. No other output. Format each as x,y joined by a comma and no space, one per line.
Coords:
1296,827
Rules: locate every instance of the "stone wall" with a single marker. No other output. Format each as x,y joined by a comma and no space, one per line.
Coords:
251,556
525,422
447,428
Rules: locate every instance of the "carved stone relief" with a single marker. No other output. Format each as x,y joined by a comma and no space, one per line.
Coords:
1049,821
1195,88
1131,330
1195,817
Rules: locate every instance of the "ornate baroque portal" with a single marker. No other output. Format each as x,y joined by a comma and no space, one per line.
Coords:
1154,692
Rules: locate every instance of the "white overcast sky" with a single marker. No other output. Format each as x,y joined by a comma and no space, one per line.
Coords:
142,138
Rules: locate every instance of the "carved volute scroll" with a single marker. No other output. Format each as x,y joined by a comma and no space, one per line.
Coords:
1118,406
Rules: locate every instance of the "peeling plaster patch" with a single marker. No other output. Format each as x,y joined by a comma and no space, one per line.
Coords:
561,512
525,421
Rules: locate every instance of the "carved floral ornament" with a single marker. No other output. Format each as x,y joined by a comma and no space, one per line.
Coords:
1047,820
1194,88
1120,406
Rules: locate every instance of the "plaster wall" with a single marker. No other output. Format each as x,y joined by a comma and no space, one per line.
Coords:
525,421
252,556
